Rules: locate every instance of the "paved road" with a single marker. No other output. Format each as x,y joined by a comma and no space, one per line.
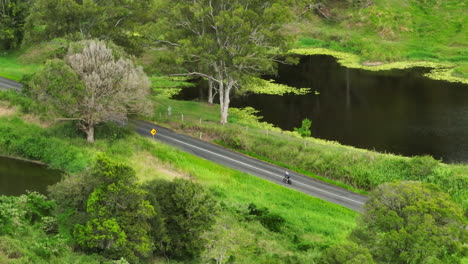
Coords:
241,162
9,84
252,166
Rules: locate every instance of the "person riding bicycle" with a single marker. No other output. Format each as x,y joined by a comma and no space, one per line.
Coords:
287,178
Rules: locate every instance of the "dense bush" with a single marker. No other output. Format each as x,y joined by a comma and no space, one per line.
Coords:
18,212
188,210
411,222
347,253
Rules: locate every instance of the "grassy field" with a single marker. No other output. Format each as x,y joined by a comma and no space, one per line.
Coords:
389,31
311,224
12,69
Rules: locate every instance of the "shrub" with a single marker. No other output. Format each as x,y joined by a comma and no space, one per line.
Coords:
188,210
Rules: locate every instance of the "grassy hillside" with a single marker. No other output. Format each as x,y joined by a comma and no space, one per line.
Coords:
391,30
311,224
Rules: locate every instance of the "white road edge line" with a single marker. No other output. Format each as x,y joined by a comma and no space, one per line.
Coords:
245,164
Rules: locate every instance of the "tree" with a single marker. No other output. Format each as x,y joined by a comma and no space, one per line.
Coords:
304,130
411,222
226,239
188,211
118,214
347,253
92,86
224,41
13,14
115,20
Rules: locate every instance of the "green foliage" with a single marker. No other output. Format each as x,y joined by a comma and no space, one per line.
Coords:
41,52
260,86
117,214
64,88
32,142
117,20
347,253
400,30
411,222
16,213
304,130
188,210
169,86
13,14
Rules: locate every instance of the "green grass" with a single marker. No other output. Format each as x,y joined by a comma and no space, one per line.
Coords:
387,31
12,69
311,224
345,166
314,221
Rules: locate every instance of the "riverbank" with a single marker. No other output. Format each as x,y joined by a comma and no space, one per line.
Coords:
341,165
440,70
383,31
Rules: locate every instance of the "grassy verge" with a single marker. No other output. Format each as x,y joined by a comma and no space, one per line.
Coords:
311,224
347,166
12,69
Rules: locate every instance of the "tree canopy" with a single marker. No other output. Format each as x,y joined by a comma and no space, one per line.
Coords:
92,86
224,41
116,20
412,222
13,15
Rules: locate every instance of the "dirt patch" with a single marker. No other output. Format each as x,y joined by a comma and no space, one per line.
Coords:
149,167
7,111
36,120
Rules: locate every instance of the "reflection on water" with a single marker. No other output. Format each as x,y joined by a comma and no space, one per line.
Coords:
17,176
397,111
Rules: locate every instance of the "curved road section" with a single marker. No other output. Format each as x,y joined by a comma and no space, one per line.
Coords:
252,166
240,162
9,84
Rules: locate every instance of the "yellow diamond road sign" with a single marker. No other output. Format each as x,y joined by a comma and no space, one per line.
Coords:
153,132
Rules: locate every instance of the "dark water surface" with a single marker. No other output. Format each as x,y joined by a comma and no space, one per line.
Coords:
397,111
17,176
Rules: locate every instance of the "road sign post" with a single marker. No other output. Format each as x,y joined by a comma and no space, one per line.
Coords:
153,132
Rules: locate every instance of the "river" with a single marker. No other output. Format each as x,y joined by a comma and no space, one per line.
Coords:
397,111
17,176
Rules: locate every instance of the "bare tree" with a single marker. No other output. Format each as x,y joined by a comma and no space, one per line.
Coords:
108,90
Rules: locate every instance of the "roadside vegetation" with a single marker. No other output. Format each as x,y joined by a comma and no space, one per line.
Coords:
299,231
359,169
128,199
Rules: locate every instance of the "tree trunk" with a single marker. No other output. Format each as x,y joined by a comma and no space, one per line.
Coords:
224,100
90,133
210,92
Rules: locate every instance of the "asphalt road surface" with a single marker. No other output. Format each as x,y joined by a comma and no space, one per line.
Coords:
240,162
252,166
9,84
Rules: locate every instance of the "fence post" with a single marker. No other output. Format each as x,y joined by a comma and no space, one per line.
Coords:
182,116
200,121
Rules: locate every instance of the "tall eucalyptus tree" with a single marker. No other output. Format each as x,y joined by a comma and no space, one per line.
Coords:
224,41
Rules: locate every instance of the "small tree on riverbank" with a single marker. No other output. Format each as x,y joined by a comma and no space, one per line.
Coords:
92,86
